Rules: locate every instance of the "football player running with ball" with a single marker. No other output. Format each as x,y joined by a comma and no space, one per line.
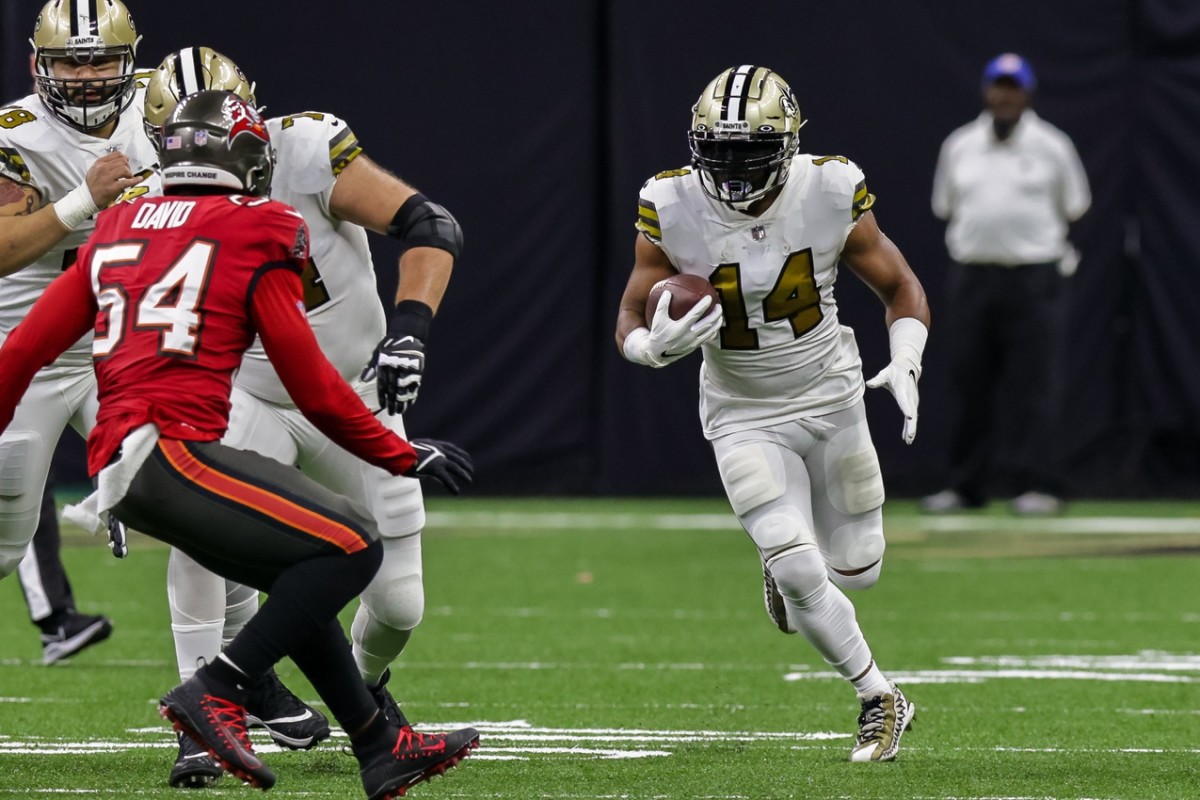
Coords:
321,170
781,385
176,289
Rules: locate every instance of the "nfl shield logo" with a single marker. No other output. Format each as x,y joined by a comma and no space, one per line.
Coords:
758,232
201,138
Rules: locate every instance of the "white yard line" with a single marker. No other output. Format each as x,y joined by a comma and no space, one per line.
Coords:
958,523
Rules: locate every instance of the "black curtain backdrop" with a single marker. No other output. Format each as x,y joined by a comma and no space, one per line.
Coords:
536,123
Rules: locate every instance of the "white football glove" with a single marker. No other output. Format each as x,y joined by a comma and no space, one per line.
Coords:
668,340
907,336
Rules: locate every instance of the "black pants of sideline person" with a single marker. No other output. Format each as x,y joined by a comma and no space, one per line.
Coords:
1002,323
47,590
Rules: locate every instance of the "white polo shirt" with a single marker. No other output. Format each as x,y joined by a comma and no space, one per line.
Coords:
1008,202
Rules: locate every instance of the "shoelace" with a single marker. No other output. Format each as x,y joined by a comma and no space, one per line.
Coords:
410,742
229,716
871,720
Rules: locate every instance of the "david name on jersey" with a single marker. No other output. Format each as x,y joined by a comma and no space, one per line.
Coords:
168,214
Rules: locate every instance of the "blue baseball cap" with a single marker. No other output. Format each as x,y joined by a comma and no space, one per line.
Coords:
1010,65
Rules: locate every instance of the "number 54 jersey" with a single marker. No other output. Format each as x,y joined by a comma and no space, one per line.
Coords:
782,353
311,150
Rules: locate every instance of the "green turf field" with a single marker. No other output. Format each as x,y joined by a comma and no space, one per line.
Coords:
618,649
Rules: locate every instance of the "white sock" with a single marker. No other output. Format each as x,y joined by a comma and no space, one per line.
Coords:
197,601
871,683
195,646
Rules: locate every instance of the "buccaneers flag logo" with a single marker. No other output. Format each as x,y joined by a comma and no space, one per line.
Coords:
244,119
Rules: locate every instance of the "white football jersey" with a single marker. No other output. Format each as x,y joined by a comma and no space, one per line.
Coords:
39,150
782,353
311,149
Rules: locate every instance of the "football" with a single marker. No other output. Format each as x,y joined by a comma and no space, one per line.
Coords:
686,291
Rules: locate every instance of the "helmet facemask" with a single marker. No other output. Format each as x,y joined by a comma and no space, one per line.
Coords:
741,168
68,33
744,135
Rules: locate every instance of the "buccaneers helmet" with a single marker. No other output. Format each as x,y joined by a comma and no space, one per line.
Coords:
84,32
743,134
185,72
216,141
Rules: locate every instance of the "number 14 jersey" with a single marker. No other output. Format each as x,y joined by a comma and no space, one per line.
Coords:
782,353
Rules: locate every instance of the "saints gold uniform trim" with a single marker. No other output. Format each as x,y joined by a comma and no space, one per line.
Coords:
862,202
12,165
647,221
343,149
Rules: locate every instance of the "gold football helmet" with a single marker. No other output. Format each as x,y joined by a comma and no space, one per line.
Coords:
185,72
83,32
744,134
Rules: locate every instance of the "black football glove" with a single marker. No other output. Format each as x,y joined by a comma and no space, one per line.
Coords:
398,363
446,463
116,536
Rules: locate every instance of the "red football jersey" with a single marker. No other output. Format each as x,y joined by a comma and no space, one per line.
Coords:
173,277
176,288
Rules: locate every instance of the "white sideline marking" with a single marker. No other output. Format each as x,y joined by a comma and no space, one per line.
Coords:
1070,525
508,740
594,520
1146,659
1147,666
585,520
980,676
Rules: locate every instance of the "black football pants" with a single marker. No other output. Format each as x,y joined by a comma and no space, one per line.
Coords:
251,519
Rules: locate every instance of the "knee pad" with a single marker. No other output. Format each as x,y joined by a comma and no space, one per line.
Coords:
799,573
11,556
852,472
20,498
857,546
396,595
863,580
748,477
781,527
16,452
399,507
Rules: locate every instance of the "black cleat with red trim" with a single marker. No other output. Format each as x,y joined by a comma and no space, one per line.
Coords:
416,757
218,725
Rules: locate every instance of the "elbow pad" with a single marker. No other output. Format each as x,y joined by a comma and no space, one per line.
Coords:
420,222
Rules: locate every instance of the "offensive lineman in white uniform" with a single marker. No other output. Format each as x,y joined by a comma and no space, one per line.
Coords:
781,386
65,152
320,170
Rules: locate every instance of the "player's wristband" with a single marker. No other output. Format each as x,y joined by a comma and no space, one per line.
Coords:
76,208
637,348
411,318
907,338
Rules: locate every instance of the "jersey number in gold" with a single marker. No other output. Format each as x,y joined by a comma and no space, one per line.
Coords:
794,298
12,117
